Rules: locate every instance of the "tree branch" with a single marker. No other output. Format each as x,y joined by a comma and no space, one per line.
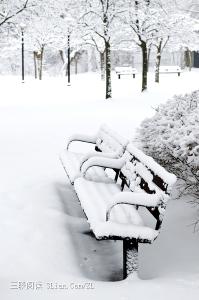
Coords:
15,13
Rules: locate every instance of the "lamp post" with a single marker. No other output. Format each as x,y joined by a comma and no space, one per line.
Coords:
68,68
22,26
63,16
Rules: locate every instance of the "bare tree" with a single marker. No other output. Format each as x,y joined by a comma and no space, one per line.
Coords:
140,19
9,10
98,19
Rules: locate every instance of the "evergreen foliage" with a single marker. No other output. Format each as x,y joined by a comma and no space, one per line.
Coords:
171,137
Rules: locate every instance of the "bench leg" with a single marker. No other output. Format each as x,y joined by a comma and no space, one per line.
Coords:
179,74
133,75
116,175
118,76
130,257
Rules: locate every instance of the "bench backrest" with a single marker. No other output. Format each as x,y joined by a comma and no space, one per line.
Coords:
110,141
141,172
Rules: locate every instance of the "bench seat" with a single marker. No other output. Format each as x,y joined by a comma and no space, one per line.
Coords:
71,162
125,221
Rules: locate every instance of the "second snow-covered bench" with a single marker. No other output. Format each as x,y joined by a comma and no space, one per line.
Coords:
125,71
112,208
170,69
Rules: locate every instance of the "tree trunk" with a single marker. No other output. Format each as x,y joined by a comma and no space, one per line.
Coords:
41,63
63,59
157,64
108,70
148,57
190,60
61,52
76,65
144,65
35,63
102,65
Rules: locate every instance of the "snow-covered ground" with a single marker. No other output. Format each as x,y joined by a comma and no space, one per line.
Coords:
44,235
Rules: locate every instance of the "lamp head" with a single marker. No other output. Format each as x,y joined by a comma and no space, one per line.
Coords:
22,26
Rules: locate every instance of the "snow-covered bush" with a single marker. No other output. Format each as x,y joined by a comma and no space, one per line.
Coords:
171,137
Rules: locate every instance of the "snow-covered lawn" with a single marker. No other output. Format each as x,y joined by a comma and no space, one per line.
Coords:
44,235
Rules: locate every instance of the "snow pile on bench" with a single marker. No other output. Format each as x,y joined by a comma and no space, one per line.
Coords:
107,143
72,161
110,141
125,222
125,70
170,69
103,162
107,208
150,163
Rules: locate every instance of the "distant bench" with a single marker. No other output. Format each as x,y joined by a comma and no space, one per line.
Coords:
125,71
111,205
170,69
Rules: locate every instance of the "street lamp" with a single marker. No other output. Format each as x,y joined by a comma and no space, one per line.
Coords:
22,27
63,16
68,68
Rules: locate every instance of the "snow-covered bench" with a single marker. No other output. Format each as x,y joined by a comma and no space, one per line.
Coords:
125,71
107,143
111,207
170,69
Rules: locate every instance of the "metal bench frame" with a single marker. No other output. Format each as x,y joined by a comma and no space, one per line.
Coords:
130,246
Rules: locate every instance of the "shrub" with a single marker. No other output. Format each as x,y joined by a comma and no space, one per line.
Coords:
171,137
